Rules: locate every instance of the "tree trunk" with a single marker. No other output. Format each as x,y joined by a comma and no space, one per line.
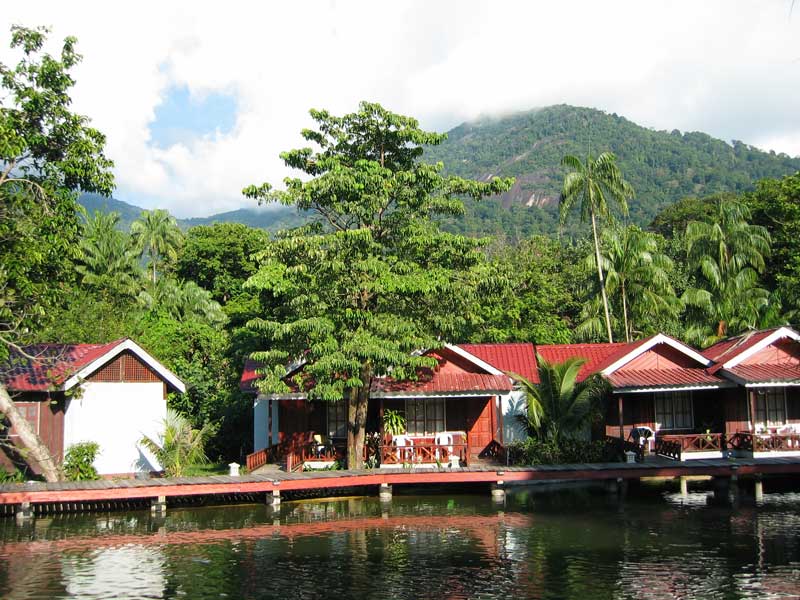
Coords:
357,403
600,276
625,313
31,442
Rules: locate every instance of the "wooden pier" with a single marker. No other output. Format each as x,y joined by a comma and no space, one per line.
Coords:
84,494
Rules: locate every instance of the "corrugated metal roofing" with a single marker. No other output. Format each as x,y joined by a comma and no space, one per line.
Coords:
518,358
725,350
444,383
766,373
596,355
51,365
662,377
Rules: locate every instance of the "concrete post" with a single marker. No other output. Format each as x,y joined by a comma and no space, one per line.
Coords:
24,513
158,506
498,491
385,492
759,489
684,486
274,498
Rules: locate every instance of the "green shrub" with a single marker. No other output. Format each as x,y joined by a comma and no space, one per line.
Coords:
547,452
15,476
79,461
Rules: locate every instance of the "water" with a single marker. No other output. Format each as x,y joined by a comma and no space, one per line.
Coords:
574,543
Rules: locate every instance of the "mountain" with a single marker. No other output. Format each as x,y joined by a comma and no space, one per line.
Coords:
272,218
662,166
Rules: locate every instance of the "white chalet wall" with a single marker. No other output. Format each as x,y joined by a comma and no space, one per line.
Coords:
260,423
513,404
116,416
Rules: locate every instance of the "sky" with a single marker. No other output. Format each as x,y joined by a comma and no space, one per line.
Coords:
197,99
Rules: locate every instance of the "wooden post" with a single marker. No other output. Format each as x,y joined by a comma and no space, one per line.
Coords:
752,403
621,422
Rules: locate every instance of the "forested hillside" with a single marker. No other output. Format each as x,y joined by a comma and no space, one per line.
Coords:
662,166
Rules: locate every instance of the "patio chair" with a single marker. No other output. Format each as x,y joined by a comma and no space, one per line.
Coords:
643,435
405,447
443,439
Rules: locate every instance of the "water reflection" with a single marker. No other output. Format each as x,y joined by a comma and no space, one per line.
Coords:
578,543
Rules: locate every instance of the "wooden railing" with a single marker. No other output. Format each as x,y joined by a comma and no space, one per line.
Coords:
620,447
697,442
257,459
668,448
741,440
776,442
422,453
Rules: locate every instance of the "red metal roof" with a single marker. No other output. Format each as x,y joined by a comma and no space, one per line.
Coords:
597,356
249,376
433,383
51,366
662,377
519,358
766,373
723,351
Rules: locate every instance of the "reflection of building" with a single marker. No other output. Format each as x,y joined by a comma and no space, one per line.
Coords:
737,396
112,394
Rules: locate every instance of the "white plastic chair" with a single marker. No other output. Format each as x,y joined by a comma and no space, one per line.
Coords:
443,439
402,442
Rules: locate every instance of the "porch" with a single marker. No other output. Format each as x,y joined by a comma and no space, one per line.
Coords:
452,431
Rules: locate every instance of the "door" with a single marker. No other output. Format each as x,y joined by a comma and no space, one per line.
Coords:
479,425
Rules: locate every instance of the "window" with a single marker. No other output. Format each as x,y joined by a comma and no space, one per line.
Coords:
337,419
771,406
674,410
425,416
30,411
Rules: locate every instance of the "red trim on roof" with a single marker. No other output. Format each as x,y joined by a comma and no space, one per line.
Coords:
51,366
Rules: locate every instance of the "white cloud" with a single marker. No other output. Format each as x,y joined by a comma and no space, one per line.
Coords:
729,68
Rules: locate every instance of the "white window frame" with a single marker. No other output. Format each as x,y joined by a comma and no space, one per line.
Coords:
425,402
671,397
763,393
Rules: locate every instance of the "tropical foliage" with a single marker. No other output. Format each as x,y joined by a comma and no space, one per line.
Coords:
179,446
156,235
79,461
560,406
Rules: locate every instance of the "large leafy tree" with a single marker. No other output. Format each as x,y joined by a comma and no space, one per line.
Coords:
638,279
728,254
374,281
156,234
559,405
775,205
47,154
595,185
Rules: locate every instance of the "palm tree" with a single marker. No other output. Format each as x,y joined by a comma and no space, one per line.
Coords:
593,184
560,406
728,254
637,275
156,233
179,446
108,259
182,301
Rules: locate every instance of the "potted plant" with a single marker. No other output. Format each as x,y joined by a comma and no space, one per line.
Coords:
394,423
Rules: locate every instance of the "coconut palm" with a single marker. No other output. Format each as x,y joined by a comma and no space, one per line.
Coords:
637,279
593,185
560,406
156,233
108,259
728,254
179,446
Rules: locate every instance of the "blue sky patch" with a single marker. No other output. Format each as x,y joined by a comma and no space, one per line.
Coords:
180,118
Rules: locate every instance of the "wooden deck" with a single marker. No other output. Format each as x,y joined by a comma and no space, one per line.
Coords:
129,489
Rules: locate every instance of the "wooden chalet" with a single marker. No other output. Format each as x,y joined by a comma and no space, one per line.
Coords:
740,397
112,394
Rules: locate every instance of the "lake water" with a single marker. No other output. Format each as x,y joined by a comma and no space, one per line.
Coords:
541,543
